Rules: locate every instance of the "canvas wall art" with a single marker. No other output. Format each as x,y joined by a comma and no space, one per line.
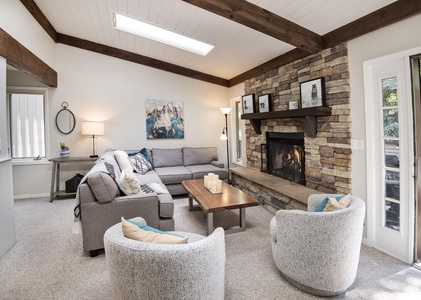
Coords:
164,119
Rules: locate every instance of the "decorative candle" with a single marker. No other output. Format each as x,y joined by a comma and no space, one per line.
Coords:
219,186
213,187
206,179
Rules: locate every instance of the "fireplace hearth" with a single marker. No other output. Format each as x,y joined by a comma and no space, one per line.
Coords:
286,156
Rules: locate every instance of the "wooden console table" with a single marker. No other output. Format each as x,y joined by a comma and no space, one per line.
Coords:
55,174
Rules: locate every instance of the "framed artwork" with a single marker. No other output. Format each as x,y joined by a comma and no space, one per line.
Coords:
164,119
293,104
248,104
264,103
312,93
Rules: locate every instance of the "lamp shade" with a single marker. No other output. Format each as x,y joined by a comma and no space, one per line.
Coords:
93,128
225,110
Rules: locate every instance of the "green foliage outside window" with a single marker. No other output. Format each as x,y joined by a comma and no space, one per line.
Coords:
390,115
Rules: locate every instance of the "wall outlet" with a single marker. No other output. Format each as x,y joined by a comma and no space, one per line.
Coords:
357,144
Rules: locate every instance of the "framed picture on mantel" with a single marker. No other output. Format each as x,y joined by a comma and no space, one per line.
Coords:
312,93
248,104
264,103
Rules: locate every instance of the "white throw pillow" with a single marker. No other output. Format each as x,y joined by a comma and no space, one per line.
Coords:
129,182
122,159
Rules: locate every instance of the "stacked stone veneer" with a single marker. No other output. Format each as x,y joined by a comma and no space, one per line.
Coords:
328,155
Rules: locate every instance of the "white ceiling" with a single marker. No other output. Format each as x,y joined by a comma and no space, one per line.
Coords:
237,48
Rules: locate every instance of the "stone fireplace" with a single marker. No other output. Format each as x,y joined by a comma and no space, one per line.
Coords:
327,147
286,156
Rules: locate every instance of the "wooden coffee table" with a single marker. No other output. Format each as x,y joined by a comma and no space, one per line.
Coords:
230,198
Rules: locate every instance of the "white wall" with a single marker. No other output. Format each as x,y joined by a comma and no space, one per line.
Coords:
102,88
398,37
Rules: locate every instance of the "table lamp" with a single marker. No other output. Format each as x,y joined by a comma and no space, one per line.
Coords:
94,129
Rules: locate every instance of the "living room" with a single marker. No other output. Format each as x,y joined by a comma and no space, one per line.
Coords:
102,88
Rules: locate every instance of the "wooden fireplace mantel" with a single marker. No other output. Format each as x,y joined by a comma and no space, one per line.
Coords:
308,117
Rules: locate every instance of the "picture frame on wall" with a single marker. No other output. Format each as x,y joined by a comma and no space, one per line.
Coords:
248,104
265,103
312,93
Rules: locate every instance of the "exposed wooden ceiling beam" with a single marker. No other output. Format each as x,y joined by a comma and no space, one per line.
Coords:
264,21
24,60
387,15
33,8
140,59
57,37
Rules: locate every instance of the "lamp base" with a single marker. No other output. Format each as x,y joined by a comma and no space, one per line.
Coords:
93,156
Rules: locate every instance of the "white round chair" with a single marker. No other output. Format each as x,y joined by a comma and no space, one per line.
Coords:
318,252
140,270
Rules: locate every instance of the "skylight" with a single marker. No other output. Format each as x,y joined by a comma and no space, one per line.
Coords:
158,34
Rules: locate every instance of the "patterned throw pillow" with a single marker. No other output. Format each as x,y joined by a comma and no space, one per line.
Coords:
134,232
140,163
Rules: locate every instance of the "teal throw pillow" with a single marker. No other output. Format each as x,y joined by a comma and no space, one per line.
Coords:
149,228
145,153
322,205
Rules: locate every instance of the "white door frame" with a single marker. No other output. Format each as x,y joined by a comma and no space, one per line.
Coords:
372,138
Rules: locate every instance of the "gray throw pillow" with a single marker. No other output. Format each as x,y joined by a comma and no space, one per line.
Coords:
103,187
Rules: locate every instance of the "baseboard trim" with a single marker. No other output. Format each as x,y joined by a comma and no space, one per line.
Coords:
28,196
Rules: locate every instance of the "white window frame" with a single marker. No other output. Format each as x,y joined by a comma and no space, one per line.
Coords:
29,90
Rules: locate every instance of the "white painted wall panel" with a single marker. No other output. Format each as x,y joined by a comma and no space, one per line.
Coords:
7,220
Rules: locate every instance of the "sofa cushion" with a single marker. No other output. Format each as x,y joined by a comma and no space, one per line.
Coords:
171,175
140,163
129,182
198,171
199,156
145,152
103,187
167,157
132,231
110,164
123,160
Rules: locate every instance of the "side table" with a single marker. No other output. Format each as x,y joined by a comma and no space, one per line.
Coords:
55,175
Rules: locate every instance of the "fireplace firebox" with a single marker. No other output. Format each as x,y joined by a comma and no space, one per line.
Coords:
286,156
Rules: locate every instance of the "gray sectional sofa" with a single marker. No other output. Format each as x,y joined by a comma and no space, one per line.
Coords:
102,200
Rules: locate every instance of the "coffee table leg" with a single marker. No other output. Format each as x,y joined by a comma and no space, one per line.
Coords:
190,203
210,223
243,218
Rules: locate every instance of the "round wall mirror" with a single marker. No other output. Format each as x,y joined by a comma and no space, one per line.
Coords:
65,119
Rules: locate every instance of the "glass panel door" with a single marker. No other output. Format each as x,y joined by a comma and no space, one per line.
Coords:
391,193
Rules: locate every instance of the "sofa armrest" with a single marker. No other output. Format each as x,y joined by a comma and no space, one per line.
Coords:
217,163
98,217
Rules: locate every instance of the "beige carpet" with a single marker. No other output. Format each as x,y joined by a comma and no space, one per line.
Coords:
47,261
